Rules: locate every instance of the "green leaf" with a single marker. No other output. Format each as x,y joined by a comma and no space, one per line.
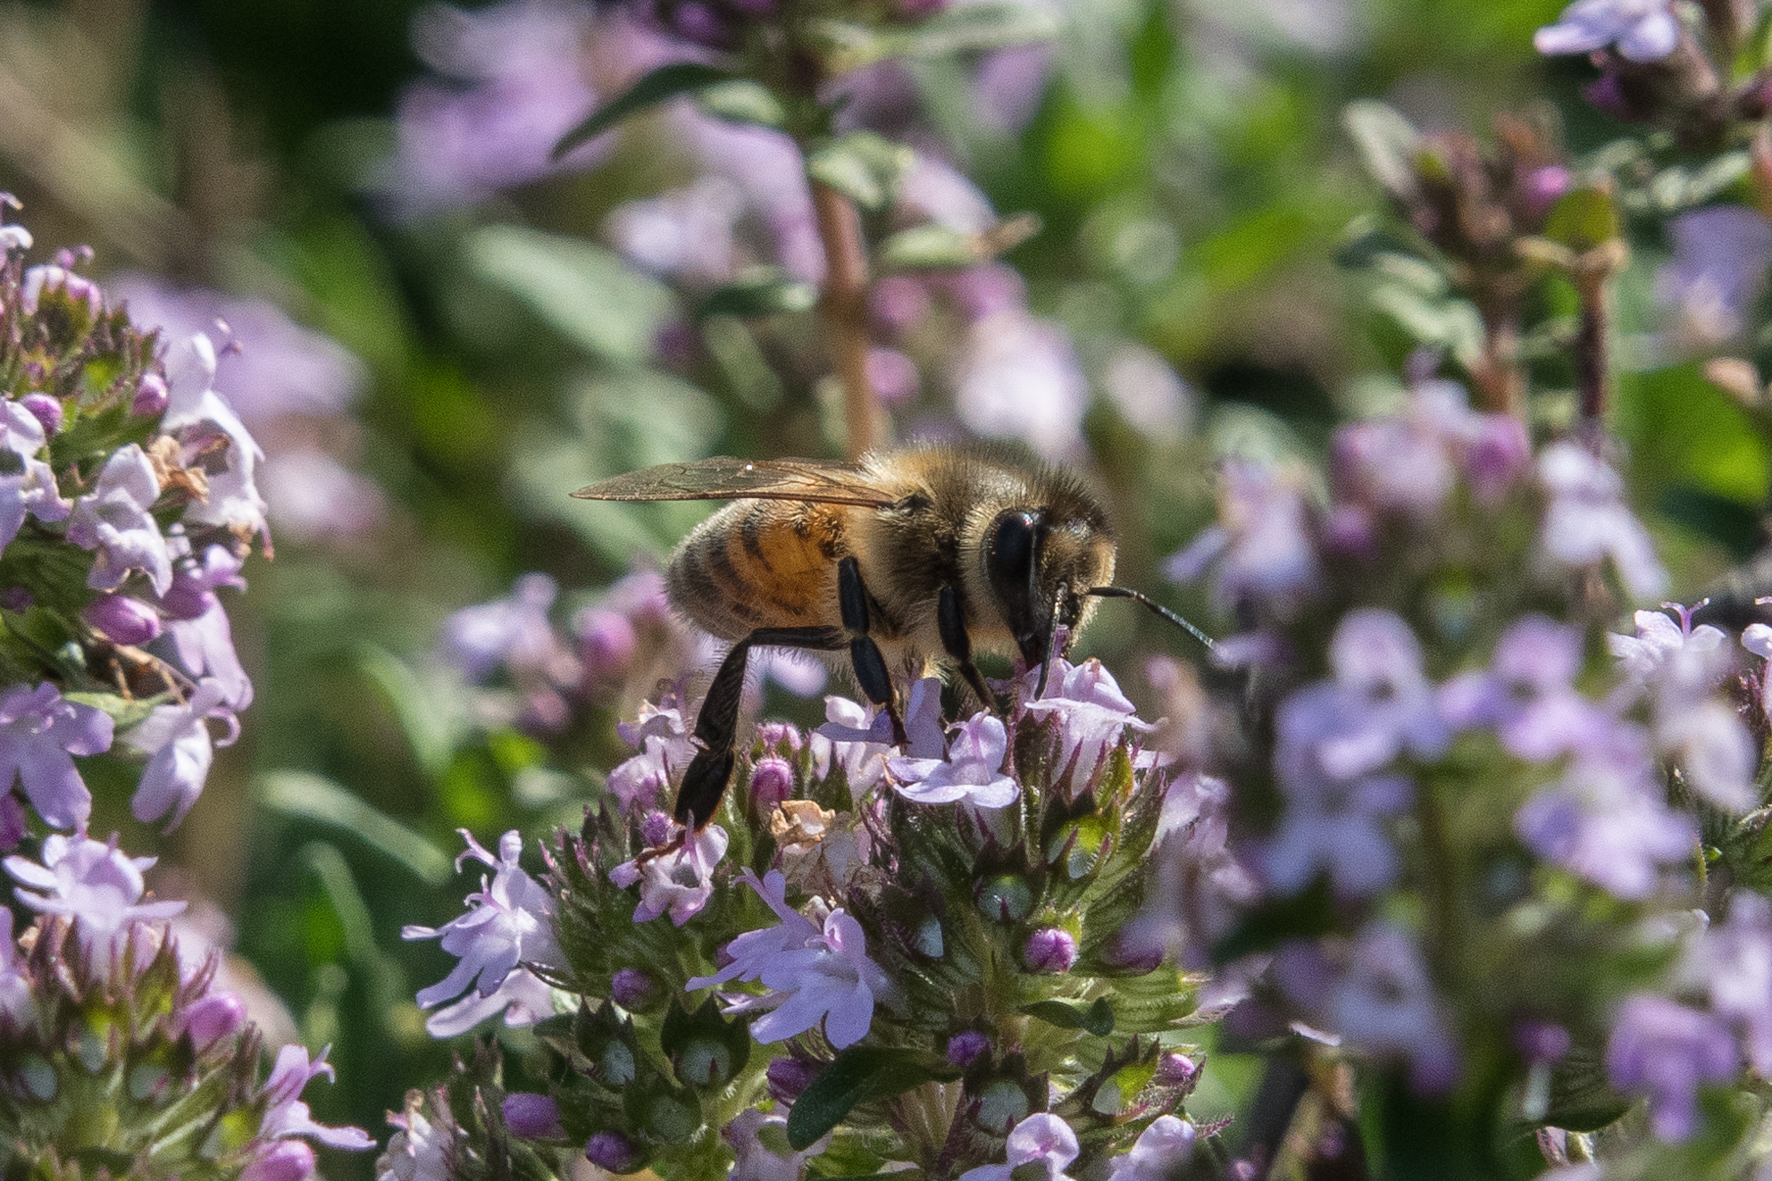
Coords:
933,247
1097,1019
963,28
1582,219
742,101
587,293
861,165
860,1074
298,793
1387,143
668,81
763,291
125,712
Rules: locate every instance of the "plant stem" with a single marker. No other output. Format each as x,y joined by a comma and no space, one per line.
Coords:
1591,374
845,312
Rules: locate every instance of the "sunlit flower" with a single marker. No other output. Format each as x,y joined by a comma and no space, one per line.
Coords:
1159,1152
1042,1139
972,771
114,520
288,1116
92,883
178,740
761,1146
39,732
679,882
31,489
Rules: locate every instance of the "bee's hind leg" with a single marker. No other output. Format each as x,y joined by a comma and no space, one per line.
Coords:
698,796
864,655
952,622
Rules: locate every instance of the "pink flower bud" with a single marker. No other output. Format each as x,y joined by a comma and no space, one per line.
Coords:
1175,1070
1050,949
784,737
612,1151
965,1047
632,989
216,1016
121,619
150,396
533,1117
771,782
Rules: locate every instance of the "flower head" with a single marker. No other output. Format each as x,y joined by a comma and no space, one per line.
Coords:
92,883
1159,1152
1042,1139
1090,710
39,732
680,882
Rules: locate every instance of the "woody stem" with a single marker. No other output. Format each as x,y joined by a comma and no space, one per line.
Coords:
844,306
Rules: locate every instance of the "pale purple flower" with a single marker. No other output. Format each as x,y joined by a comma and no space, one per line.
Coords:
1009,85
288,1116
678,883
150,396
1201,889
1605,820
1587,521
1337,827
17,1006
198,635
1148,393
197,414
1642,30
313,496
513,82
93,884
1757,638
1050,949
12,237
863,759
1733,961
763,1154
1018,377
505,632
1159,1152
1090,710
1663,648
509,922
218,1015
686,234
793,670
922,722
32,488
1392,465
48,277
768,170
1041,1139
178,741
1716,273
114,520
419,1150
772,781
1386,1005
748,954
1389,705
1665,1051
39,732
972,770
931,189
662,738
1527,693
281,1160
45,409
1262,546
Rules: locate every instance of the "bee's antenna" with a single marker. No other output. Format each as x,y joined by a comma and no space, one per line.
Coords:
1121,592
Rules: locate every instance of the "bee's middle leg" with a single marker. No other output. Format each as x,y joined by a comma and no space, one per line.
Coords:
864,654
716,726
952,621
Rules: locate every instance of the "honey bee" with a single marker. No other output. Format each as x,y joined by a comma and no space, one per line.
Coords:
912,557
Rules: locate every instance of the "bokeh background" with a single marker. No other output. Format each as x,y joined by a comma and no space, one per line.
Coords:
438,335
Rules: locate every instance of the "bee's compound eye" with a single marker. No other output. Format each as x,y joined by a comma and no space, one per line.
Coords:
1010,560
1012,549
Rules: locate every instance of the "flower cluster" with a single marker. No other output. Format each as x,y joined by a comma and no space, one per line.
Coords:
133,501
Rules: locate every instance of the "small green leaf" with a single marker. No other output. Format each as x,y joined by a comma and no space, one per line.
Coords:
963,28
298,793
861,165
860,1074
1582,219
927,247
1097,1019
667,81
741,101
1388,144
584,291
764,291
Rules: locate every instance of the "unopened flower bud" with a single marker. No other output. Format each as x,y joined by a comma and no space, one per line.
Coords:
285,1160
1049,949
655,828
45,409
965,1047
216,1016
1005,897
1175,1070
532,1116
772,782
789,1078
780,736
121,619
612,1151
150,396
632,989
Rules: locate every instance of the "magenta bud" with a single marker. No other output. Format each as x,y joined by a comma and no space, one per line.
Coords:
1544,187
612,1151
45,409
965,1047
772,782
533,1117
1049,949
788,1077
1175,1070
606,642
285,1160
218,1015
1541,1041
780,736
632,989
655,828
150,396
121,619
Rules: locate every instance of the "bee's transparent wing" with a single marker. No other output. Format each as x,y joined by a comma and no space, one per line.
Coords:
726,478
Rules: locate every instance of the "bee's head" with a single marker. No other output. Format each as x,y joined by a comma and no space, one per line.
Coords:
1041,565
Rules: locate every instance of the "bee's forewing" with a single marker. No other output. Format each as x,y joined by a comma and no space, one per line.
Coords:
726,478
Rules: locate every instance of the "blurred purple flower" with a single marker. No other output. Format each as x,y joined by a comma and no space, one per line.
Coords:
1665,1051
1262,546
680,882
197,630
972,770
478,640
1018,377
1338,828
419,1150
1158,1154
178,740
769,174
313,497
1388,704
1385,1004
1148,393
1733,961
761,1149
114,520
1605,819
77,288
532,1116
509,922
45,409
93,884
685,234
933,190
1527,693
1716,272
1587,521
665,751
1010,84
39,732
288,1116
1042,1139
513,82
1642,30
32,488
1050,949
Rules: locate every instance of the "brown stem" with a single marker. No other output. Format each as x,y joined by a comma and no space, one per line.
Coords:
845,308
1591,375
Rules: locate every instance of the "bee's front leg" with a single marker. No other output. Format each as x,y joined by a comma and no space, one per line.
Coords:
698,796
951,619
870,665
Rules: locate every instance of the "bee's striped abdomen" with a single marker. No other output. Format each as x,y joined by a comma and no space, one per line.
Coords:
759,563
